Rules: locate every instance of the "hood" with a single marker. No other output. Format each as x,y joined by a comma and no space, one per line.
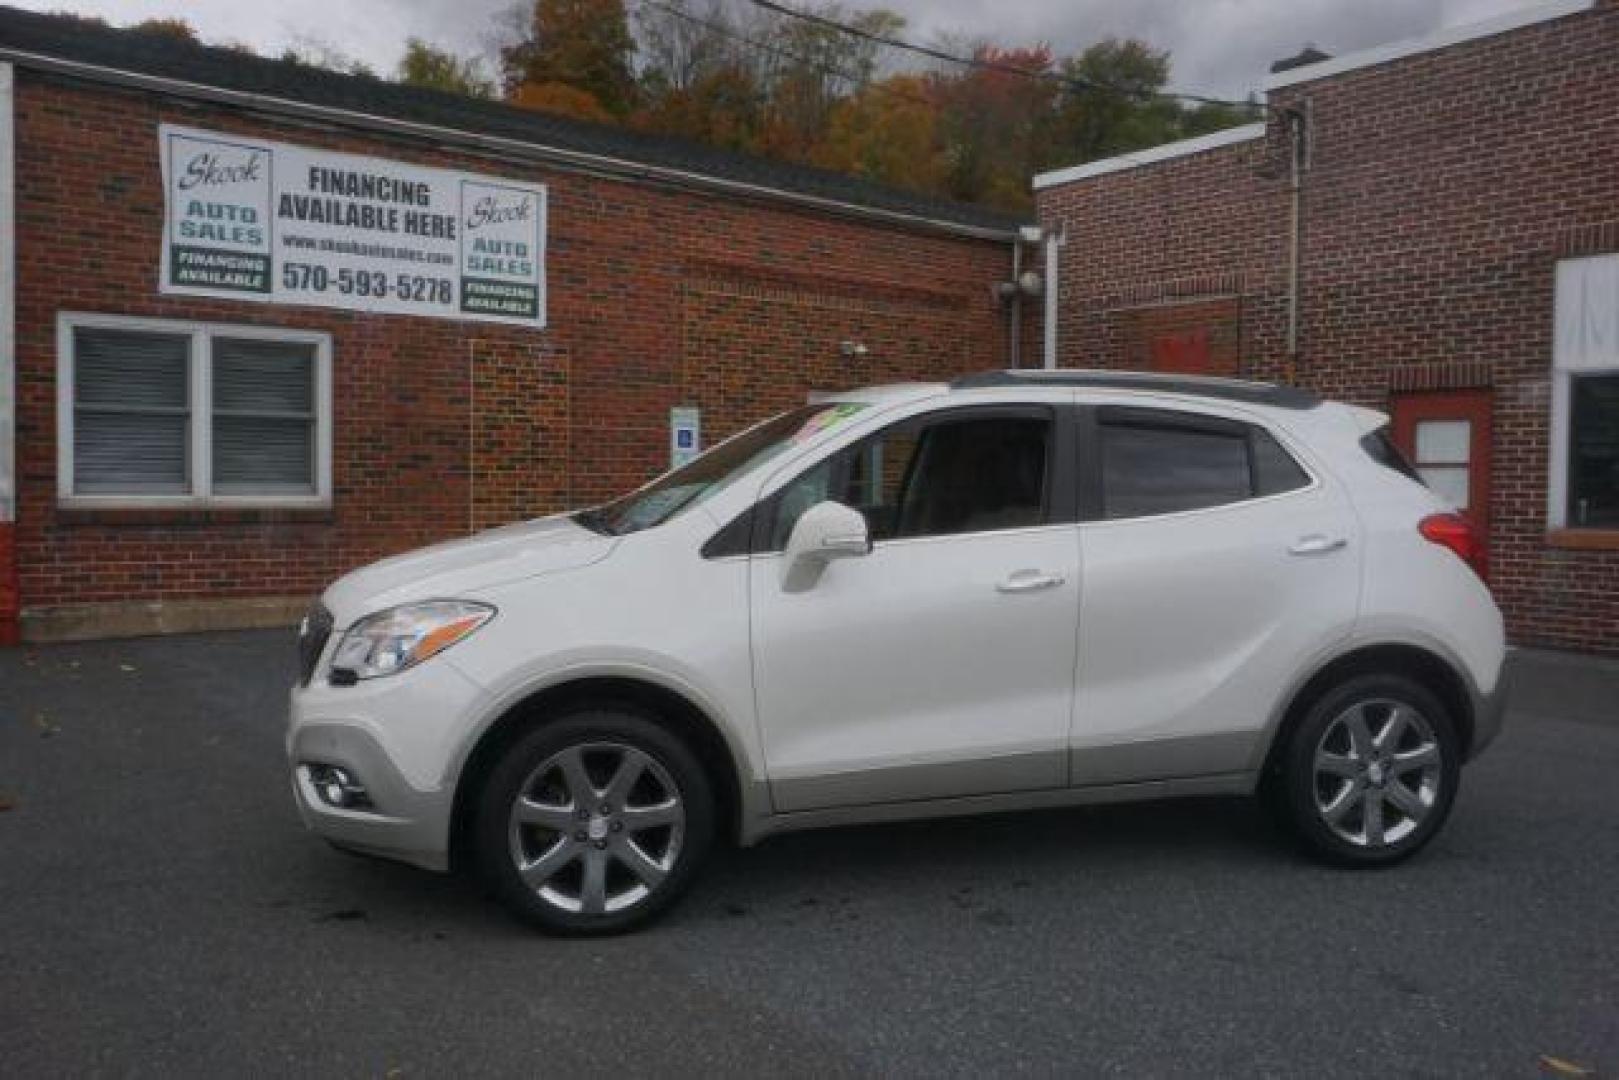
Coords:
459,567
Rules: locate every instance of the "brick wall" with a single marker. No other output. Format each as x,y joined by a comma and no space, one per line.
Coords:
1442,188
658,297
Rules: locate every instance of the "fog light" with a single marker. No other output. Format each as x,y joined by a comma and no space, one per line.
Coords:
338,787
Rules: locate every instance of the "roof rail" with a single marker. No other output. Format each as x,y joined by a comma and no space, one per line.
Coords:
1252,393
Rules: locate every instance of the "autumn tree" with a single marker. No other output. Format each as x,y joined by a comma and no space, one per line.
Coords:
177,29
584,45
722,107
809,67
993,115
438,69
680,43
888,131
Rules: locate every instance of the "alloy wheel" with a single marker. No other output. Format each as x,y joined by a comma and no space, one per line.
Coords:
596,828
1377,773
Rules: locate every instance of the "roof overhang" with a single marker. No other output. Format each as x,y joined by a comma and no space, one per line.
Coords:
1168,151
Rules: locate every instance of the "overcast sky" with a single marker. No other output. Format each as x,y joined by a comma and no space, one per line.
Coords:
1219,47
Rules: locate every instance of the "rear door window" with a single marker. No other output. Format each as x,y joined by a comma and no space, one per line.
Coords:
1162,461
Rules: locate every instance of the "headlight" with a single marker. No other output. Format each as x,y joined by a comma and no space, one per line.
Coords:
403,637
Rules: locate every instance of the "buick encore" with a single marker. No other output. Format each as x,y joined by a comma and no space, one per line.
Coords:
1017,590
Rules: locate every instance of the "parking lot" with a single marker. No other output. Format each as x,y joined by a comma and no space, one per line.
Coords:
162,911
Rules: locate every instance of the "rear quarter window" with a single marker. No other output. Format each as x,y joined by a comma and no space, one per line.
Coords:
1381,449
1161,461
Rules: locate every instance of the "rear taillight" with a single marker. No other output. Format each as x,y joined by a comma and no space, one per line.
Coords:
1457,533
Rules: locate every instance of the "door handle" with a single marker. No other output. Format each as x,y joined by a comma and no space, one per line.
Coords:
1030,581
1317,545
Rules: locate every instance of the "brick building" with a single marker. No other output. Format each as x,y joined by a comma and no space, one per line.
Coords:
1430,228
198,443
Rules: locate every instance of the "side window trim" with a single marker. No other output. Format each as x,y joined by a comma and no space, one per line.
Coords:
1090,416
1060,487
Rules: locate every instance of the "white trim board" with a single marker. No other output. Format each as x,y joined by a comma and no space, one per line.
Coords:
1227,137
1442,38
8,298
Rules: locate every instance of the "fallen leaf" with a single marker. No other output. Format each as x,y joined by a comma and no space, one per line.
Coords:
1560,1067
7,803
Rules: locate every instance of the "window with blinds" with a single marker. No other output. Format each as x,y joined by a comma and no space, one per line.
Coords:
131,413
263,417
165,412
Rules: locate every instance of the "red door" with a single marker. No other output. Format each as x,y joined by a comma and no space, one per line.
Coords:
1446,435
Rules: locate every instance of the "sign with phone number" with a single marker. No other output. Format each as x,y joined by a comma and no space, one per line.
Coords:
248,219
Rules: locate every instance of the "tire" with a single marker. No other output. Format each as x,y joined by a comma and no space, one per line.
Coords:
616,815
1369,774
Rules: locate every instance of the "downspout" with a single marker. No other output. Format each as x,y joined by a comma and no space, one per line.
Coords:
1055,238
1014,344
10,592
1295,194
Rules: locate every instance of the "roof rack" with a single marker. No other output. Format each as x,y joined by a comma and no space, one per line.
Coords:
1252,393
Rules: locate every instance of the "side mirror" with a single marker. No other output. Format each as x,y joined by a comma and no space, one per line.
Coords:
826,531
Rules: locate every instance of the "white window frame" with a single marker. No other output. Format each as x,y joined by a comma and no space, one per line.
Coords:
1565,369
200,381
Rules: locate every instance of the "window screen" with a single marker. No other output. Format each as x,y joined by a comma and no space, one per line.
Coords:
1593,459
1163,462
131,412
263,417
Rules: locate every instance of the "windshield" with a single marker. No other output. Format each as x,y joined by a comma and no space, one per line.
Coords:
690,484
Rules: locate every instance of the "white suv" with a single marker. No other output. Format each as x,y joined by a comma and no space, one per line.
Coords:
1016,590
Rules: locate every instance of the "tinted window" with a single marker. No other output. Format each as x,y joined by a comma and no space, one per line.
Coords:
1162,462
953,475
1275,471
1381,449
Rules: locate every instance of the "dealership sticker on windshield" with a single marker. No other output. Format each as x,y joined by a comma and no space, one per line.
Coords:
826,420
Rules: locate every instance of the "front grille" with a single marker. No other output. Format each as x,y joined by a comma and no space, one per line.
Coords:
312,635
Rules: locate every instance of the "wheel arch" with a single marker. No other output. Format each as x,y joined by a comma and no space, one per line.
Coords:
670,707
1422,664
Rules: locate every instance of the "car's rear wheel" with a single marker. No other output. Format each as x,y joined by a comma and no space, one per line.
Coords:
1370,772
594,823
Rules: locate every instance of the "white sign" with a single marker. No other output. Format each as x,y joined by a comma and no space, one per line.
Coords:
685,435
248,219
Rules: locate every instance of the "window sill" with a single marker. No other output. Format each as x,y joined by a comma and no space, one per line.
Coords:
1584,539
152,515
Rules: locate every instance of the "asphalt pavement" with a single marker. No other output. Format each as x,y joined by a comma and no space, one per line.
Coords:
163,912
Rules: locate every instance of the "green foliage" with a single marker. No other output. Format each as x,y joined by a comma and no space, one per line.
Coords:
438,69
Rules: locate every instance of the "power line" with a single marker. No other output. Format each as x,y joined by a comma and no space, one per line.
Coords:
863,82
1071,81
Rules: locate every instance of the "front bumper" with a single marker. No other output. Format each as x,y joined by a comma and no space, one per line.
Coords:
403,823
399,737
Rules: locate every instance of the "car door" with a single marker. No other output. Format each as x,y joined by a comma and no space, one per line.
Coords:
1216,565
940,663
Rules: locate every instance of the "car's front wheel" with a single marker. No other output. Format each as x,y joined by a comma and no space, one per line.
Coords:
1369,773
594,823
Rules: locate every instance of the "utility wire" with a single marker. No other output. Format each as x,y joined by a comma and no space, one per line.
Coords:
863,82
1073,82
